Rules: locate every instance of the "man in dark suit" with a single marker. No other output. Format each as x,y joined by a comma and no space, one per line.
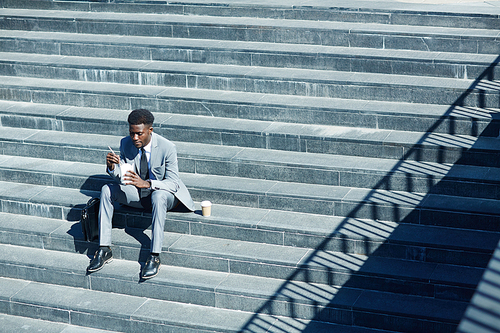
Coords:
153,183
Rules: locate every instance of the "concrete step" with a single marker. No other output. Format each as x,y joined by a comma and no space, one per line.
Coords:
406,277
301,167
399,116
283,166
318,57
373,35
319,139
131,313
436,244
92,147
481,15
282,81
177,284
209,289
11,323
341,201
122,313
316,199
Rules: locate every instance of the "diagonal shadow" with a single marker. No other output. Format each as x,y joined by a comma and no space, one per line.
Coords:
333,299
483,312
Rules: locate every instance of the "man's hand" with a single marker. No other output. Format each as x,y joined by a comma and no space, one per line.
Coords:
111,160
131,178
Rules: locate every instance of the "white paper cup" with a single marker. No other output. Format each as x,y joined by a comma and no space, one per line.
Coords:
124,168
206,208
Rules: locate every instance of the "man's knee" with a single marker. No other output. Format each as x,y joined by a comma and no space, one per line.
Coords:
106,191
163,199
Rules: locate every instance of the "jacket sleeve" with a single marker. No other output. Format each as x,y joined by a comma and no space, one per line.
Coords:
115,173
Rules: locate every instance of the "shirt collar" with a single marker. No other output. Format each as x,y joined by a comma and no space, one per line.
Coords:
147,147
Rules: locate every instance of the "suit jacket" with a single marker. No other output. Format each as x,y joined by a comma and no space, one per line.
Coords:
163,165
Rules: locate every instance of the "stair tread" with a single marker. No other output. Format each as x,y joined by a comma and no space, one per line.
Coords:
441,309
277,256
140,308
123,307
11,323
124,275
366,6
275,221
126,271
250,72
243,46
232,125
205,152
266,187
309,191
246,22
258,99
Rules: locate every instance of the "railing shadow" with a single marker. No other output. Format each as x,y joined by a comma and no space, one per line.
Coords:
482,314
382,205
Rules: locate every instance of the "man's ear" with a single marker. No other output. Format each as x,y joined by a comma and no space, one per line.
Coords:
150,129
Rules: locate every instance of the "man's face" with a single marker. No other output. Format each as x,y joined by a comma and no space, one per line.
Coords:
140,135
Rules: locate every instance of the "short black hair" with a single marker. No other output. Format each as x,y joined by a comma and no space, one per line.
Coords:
141,116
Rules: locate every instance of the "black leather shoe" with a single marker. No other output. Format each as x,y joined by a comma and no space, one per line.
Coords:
101,257
151,268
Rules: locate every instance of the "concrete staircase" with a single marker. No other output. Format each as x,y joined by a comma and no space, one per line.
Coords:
350,151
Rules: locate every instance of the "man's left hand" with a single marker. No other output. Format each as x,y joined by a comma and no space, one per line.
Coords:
134,179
